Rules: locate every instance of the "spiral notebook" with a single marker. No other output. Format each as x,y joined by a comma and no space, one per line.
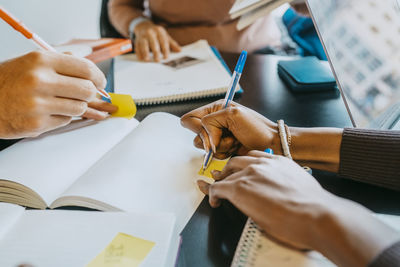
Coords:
255,249
197,71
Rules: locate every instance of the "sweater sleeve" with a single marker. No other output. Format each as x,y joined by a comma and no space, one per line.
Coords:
388,258
122,12
371,156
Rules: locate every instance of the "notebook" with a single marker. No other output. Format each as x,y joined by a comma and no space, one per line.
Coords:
74,238
195,72
243,7
112,165
256,250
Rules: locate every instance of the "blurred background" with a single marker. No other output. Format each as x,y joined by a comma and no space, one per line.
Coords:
60,21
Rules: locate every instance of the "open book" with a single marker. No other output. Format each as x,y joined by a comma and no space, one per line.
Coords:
66,238
113,165
195,72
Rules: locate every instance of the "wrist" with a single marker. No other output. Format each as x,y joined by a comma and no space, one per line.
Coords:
317,147
349,235
133,25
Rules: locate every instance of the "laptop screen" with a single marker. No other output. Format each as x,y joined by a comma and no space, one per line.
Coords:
362,41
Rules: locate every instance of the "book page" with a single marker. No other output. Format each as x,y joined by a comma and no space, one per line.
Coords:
9,215
153,169
49,164
167,82
74,238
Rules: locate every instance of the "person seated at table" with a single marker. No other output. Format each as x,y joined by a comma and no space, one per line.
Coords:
41,91
174,22
284,199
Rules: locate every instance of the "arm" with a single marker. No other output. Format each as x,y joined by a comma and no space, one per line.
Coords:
292,207
366,155
122,12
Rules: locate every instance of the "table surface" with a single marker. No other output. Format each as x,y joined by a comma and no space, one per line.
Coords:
211,236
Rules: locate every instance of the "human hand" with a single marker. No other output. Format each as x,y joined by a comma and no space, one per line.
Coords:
153,38
99,110
275,192
42,90
235,130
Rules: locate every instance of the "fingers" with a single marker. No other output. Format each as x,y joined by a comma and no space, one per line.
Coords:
101,105
64,107
80,68
175,47
55,121
143,49
260,154
234,165
155,46
94,114
215,191
164,43
70,87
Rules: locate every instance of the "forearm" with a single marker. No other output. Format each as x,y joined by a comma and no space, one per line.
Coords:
122,12
316,147
349,235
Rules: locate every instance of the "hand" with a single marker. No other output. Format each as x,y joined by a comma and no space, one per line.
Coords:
290,206
99,110
154,38
275,192
41,91
235,130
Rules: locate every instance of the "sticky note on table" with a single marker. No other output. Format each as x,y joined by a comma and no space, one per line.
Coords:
215,164
126,105
123,251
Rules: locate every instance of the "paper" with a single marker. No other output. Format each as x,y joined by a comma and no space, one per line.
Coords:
126,106
66,238
123,251
216,164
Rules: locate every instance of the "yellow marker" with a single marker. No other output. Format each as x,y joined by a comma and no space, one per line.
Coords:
126,106
123,251
215,164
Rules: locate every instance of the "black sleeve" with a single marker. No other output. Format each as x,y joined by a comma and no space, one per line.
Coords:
388,258
371,156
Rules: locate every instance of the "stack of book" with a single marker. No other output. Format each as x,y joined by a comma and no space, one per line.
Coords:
251,10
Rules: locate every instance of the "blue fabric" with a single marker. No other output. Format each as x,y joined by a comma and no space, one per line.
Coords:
301,30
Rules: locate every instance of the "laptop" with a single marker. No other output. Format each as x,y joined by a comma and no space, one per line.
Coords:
362,41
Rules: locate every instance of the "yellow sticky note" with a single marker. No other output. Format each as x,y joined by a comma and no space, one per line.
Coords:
126,105
123,251
215,164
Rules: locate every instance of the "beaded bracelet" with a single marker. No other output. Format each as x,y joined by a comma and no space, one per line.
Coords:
284,140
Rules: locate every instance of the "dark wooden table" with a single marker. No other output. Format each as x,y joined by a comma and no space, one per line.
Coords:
211,236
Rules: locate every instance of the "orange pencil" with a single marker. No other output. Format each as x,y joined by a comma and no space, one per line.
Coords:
20,27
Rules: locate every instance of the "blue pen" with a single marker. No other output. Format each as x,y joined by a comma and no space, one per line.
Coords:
229,96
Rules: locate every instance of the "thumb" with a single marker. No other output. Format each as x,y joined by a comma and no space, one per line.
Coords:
216,123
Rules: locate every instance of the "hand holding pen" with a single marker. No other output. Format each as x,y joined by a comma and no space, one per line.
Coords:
227,101
39,42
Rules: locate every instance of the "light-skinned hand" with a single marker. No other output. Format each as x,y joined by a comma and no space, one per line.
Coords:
42,90
150,37
235,130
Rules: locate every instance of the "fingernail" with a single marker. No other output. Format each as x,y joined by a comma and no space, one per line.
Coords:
215,173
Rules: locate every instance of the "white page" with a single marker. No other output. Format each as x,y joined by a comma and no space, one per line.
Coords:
9,214
244,6
50,163
251,16
74,238
153,169
149,80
